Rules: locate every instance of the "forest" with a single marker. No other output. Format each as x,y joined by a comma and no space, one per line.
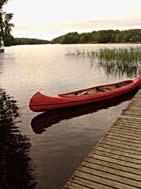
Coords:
101,36
23,41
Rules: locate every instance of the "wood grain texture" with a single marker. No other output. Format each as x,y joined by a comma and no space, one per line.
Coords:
115,162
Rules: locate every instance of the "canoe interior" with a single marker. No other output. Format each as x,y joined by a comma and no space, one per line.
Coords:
97,89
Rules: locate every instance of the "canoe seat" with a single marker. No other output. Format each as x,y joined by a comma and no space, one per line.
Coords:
119,84
103,89
81,93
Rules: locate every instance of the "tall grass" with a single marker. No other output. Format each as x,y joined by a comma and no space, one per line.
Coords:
117,61
131,55
120,61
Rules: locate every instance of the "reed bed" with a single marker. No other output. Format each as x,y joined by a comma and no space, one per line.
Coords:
117,61
117,54
81,53
131,55
120,61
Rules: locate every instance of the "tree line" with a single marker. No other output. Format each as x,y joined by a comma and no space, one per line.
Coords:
10,40
5,23
101,36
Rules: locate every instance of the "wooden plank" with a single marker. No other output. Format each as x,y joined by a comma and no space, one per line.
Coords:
121,144
132,142
116,160
124,119
127,125
72,185
126,129
123,153
120,148
110,176
122,135
111,170
136,163
131,114
134,123
114,165
104,181
89,183
133,109
128,144
125,138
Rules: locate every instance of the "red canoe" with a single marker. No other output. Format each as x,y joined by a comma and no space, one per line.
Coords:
40,102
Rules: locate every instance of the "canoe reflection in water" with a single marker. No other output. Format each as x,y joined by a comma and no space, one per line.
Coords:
47,119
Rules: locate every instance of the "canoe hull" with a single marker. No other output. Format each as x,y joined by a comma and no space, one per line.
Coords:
40,102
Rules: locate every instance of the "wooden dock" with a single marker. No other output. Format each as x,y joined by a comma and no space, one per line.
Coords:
116,160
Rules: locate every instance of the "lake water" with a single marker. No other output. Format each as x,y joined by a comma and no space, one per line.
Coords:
42,151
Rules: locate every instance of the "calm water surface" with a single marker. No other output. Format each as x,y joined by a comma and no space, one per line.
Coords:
42,151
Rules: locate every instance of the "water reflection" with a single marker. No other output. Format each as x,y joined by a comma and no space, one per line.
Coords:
115,62
1,61
118,69
15,163
115,68
47,119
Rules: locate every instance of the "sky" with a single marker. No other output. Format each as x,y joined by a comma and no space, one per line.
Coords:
47,19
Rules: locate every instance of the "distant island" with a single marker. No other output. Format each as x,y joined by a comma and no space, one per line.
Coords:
101,36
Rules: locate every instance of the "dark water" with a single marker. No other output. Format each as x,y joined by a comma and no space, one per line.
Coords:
42,151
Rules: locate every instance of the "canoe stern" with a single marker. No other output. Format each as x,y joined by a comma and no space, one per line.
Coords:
35,101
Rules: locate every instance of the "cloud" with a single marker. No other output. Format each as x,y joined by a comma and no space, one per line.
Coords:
81,26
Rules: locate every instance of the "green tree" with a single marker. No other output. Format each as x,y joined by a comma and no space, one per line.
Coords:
2,2
101,36
85,37
5,25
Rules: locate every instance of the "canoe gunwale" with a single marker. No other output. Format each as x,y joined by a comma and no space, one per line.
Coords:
99,86
41,102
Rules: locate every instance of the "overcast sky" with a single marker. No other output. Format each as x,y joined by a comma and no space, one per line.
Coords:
46,19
